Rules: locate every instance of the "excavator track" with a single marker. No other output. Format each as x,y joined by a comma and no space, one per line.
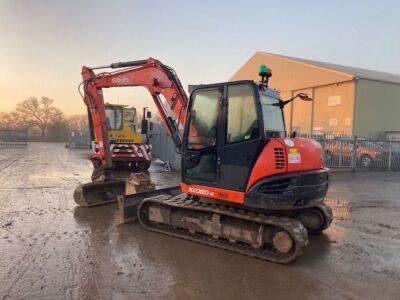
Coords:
244,232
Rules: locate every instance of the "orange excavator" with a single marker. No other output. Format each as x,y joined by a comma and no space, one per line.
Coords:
245,185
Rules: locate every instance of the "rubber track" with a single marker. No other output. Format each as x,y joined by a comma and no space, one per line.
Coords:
290,225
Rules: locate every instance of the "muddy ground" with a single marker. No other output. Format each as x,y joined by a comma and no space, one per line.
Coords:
51,249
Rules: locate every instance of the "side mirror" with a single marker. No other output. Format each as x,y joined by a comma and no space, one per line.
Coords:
304,97
148,115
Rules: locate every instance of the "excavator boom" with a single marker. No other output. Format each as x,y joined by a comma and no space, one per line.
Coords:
160,80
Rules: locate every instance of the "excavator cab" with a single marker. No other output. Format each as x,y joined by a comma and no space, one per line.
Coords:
227,126
235,149
122,124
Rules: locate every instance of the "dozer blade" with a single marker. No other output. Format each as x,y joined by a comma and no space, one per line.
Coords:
128,204
99,192
103,192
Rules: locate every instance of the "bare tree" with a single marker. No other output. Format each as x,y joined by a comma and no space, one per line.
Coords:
36,112
78,122
6,120
57,130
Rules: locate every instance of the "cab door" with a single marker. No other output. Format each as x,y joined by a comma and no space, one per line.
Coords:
241,138
200,159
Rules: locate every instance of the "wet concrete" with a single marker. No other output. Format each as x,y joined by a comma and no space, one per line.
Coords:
51,249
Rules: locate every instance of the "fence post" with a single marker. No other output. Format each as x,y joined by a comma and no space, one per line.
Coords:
354,154
390,155
341,152
324,149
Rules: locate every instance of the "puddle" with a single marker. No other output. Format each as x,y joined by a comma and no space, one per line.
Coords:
341,208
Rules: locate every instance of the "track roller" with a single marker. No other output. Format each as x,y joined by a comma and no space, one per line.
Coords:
316,219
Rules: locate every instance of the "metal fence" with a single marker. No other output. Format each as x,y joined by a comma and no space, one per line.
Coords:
78,139
355,152
163,147
10,137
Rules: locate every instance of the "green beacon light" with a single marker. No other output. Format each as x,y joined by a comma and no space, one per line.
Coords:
262,70
265,73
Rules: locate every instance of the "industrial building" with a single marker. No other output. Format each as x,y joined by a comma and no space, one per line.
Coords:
347,100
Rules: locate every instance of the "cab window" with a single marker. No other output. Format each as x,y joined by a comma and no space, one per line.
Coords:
242,122
114,118
203,120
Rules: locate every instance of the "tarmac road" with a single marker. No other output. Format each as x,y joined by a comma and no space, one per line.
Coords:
51,249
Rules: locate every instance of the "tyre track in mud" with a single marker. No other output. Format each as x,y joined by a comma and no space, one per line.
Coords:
3,168
44,201
10,162
49,252
24,263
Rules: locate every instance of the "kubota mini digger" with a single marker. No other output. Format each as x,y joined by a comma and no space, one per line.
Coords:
246,187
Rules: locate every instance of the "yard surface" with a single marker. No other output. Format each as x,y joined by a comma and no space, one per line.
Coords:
52,249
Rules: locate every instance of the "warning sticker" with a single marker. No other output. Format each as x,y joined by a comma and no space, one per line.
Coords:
289,142
294,156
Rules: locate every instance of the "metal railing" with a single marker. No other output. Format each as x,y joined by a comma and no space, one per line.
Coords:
359,153
163,147
11,137
78,139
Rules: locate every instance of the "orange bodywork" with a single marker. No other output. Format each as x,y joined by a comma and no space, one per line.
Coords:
286,155
270,162
279,156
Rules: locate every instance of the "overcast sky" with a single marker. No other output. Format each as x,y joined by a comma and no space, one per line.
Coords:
43,44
